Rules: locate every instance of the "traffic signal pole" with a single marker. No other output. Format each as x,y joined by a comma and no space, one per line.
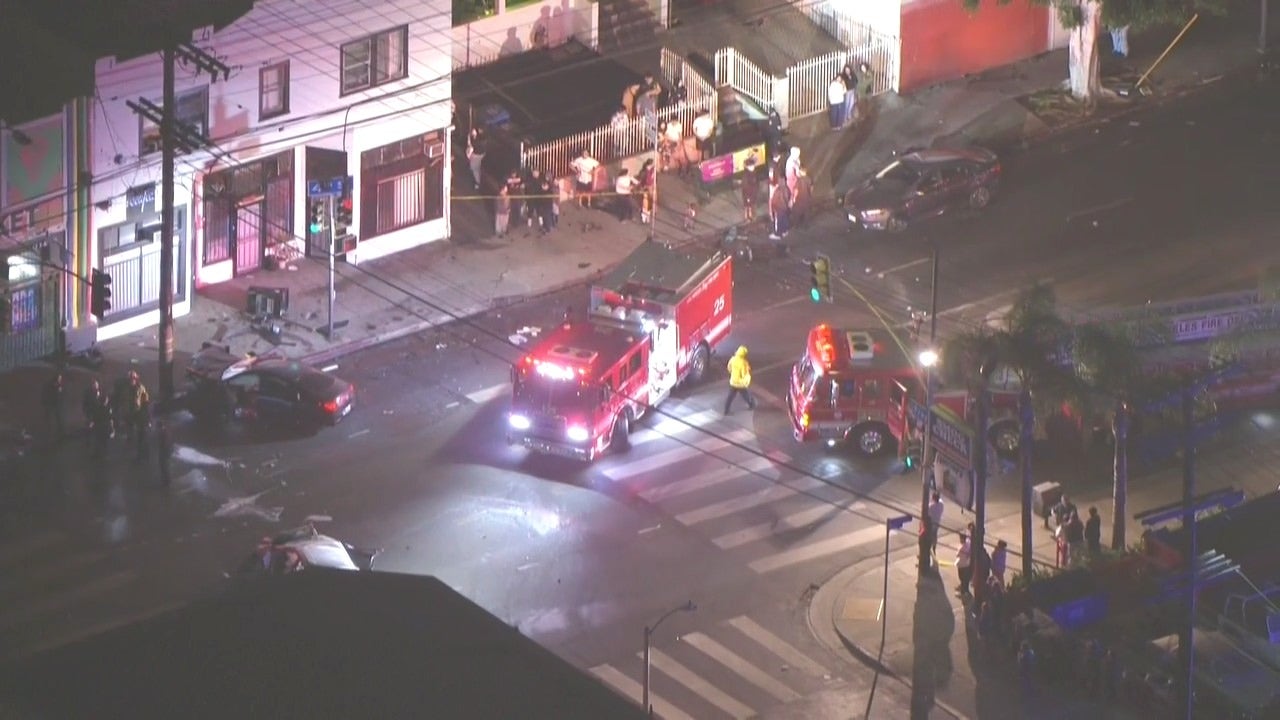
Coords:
333,291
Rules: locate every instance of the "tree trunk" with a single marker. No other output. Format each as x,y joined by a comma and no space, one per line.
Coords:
1120,480
1027,420
1082,47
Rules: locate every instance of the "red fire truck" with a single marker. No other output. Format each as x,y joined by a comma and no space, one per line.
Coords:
858,386
652,324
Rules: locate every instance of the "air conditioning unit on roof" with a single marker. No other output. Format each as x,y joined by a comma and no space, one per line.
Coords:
861,346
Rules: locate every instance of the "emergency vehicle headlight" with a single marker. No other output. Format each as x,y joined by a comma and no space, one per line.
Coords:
577,433
519,422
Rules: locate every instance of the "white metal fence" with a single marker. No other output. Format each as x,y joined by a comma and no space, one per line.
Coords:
672,67
802,91
606,143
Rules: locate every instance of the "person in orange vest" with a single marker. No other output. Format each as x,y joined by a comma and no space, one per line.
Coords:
739,380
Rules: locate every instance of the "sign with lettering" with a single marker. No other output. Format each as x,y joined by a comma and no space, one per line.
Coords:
950,435
1188,328
724,166
38,217
140,201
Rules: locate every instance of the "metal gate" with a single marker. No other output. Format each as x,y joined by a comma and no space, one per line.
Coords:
248,237
135,276
30,331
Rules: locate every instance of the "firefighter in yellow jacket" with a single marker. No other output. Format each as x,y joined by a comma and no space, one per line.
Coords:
739,379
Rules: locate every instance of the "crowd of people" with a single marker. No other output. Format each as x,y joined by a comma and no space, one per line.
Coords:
125,412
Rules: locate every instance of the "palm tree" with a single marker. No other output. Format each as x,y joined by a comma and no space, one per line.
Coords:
1031,343
1106,362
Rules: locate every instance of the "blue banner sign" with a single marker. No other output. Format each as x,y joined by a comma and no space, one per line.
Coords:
950,435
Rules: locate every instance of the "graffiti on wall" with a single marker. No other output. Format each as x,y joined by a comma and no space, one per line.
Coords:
34,161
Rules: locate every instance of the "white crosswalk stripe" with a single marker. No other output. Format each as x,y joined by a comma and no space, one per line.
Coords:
614,678
719,672
736,663
666,458
675,425
770,494
691,680
794,521
759,466
821,548
777,645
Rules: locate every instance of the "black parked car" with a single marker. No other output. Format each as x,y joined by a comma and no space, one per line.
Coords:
923,183
272,390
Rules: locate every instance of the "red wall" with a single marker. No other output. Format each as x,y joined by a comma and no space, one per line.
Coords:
942,41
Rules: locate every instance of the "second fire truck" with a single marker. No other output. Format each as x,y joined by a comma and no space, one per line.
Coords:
652,323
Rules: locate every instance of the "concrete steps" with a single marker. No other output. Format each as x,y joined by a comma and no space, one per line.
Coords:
626,24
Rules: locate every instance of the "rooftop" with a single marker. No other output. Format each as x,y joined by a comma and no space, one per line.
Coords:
318,644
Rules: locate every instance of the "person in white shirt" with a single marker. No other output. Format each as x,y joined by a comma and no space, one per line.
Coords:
835,102
624,186
584,169
964,566
673,144
935,521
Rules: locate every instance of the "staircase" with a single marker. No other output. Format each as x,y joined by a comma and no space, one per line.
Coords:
626,24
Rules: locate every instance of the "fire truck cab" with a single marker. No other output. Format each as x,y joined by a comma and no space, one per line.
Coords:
652,324
850,385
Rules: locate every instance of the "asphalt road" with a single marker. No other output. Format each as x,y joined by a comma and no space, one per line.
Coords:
726,511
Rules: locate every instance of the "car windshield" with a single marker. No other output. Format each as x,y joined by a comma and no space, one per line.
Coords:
897,172
537,392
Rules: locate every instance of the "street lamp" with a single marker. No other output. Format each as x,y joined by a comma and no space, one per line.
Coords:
928,358
648,634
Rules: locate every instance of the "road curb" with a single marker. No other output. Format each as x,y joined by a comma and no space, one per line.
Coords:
821,618
337,351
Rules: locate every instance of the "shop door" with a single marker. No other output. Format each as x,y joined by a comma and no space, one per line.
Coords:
248,237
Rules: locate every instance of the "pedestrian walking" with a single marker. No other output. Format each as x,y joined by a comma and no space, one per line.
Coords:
739,380
103,425
1093,533
1061,512
138,413
477,145
866,83
750,186
1120,41
544,203
673,155
779,209
792,170
618,129
502,212
623,187
802,199
835,102
647,98
850,93
936,510
999,561
52,399
646,182
515,189
691,217
89,401
629,95
1075,539
964,566
584,170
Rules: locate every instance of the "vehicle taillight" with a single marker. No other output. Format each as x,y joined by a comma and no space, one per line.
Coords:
329,406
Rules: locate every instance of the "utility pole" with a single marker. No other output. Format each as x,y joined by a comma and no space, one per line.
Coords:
175,136
168,152
1120,474
926,463
978,541
1186,637
1262,33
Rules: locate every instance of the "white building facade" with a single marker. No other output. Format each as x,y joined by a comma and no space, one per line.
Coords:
318,91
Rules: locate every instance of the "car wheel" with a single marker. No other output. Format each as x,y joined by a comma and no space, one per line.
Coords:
620,441
980,198
896,224
870,439
698,365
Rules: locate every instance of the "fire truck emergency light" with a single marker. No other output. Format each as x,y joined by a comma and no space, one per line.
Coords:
556,372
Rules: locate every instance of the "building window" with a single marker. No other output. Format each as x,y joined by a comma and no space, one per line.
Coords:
273,90
402,184
402,201
375,60
191,109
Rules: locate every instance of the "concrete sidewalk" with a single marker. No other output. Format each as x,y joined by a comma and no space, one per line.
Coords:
935,649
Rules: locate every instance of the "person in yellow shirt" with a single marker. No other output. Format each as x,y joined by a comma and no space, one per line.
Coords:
739,380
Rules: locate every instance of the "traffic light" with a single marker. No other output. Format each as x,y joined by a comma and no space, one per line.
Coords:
319,216
820,269
342,217
99,294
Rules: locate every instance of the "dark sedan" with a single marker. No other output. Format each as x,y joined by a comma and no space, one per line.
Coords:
273,390
921,184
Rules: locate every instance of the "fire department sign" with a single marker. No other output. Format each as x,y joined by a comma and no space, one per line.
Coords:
950,435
